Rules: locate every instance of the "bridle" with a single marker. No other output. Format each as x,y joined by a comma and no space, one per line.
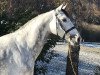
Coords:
67,31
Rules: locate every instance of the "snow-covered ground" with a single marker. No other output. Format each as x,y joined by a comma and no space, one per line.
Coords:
89,60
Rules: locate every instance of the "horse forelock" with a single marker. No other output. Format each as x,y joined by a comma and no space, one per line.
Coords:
65,12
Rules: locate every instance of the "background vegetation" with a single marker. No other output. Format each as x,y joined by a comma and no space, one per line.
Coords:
84,13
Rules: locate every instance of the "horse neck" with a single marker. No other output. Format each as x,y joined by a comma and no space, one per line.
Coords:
35,32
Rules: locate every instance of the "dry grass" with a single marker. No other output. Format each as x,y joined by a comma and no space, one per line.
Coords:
84,48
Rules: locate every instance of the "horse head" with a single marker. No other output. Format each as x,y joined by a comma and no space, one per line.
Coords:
61,25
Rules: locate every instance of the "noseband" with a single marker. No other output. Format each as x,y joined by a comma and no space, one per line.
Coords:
70,29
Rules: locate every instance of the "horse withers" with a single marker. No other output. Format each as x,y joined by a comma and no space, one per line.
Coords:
19,50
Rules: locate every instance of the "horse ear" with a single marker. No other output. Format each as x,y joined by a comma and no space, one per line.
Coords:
59,8
64,6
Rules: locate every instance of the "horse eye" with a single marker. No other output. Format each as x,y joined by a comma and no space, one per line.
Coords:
64,20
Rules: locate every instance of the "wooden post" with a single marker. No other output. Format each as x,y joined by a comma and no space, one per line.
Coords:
72,60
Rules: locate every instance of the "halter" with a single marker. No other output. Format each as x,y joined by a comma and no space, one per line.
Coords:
67,31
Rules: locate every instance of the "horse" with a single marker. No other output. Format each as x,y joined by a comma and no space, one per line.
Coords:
20,49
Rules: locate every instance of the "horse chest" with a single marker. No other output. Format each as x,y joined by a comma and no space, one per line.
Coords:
37,49
21,63
25,59
40,41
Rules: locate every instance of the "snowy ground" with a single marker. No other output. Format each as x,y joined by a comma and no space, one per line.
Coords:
89,60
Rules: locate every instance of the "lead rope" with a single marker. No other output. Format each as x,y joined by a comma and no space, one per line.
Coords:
71,62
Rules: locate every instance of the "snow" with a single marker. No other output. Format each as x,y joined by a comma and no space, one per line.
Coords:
89,60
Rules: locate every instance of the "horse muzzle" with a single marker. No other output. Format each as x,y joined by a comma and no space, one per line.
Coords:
74,39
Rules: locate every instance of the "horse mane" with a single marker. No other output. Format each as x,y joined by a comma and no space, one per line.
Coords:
34,18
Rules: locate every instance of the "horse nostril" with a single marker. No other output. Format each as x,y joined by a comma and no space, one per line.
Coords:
78,39
75,38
